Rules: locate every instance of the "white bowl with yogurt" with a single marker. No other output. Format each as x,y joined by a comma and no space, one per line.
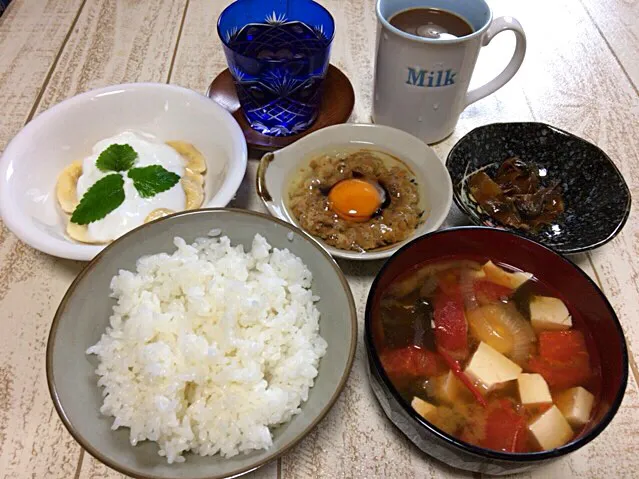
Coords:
142,114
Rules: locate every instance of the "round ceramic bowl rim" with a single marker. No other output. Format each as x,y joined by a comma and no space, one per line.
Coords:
262,192
488,454
581,249
19,223
53,391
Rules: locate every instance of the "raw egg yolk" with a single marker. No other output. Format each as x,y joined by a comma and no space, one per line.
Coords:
355,199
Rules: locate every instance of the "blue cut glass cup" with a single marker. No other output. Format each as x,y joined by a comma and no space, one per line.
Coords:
277,52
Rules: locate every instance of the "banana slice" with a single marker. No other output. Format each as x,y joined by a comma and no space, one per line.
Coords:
158,213
81,233
193,191
66,187
194,176
194,159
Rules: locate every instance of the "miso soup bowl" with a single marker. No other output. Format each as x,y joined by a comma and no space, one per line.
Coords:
578,291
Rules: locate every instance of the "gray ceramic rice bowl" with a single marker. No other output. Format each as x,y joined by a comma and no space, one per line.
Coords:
84,314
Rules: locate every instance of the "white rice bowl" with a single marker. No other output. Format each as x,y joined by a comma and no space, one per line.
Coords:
209,347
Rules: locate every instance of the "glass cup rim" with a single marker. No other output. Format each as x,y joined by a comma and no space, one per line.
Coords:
275,61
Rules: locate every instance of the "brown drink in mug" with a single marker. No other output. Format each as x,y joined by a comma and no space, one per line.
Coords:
426,54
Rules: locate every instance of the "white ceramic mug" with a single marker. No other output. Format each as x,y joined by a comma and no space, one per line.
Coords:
421,84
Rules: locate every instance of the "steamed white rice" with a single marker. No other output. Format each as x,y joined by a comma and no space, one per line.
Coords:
209,347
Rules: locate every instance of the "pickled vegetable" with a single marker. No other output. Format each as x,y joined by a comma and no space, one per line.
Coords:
515,196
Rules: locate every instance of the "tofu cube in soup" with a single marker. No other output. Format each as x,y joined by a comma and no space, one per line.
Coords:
549,314
423,408
502,277
551,429
576,405
491,368
533,390
449,389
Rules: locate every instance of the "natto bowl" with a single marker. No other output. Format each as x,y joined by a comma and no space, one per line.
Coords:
276,170
579,292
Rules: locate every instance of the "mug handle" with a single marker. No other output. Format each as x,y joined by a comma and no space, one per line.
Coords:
497,26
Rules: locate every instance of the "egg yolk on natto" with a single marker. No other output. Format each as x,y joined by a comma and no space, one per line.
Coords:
355,200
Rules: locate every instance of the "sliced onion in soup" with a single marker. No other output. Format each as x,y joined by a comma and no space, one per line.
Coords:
502,327
415,280
428,288
467,289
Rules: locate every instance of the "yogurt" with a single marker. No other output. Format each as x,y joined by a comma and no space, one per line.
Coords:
132,212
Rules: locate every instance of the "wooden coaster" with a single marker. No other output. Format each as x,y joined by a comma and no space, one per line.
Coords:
337,105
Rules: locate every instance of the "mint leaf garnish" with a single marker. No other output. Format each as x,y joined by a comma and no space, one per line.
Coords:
151,180
104,196
116,158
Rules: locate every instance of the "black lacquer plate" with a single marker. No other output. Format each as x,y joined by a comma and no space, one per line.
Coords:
597,199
